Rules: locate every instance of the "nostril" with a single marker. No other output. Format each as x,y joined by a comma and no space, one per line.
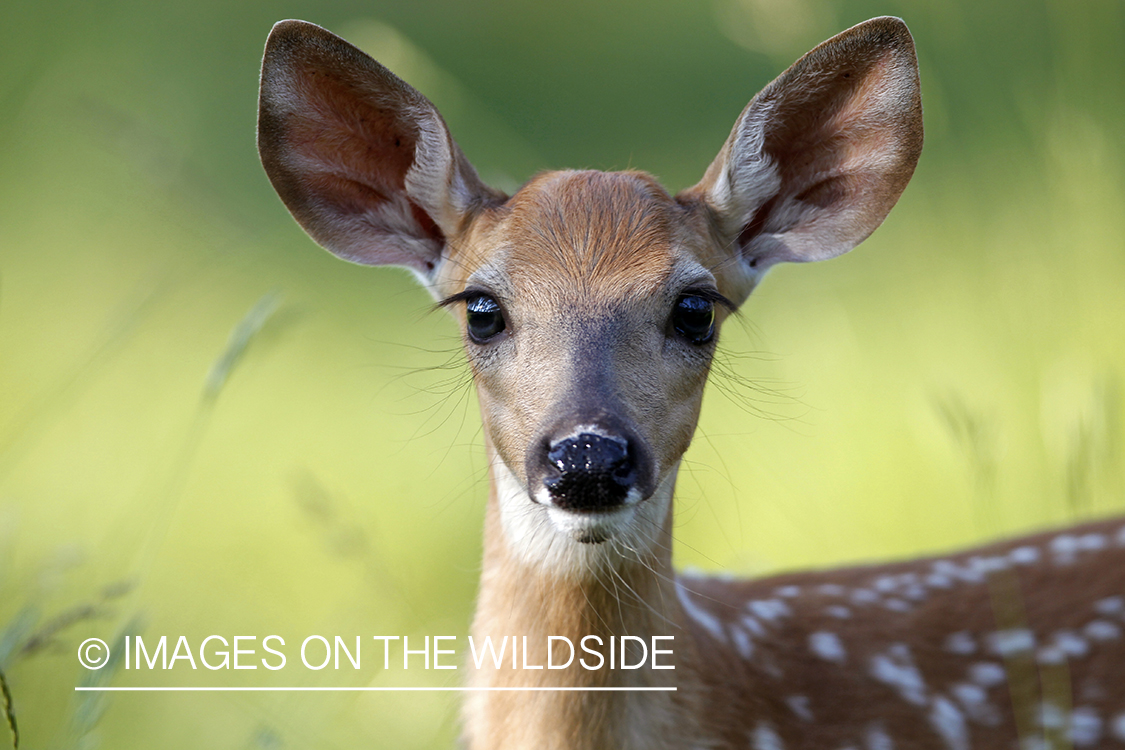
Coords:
594,471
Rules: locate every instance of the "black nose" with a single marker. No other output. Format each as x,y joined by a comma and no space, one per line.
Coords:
590,472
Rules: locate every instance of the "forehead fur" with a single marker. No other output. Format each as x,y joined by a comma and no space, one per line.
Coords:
586,235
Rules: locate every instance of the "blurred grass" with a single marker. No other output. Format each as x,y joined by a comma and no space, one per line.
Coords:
958,377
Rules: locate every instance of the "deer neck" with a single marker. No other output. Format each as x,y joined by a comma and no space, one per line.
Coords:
538,583
556,587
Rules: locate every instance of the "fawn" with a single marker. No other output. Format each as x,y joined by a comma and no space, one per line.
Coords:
590,305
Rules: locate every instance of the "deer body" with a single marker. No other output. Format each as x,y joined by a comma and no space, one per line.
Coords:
590,305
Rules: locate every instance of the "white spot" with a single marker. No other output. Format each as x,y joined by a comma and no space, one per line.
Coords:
769,609
946,567
827,646
1010,642
799,704
968,574
832,589
1121,537
864,596
951,569
1092,542
708,621
1066,644
1071,644
789,592
1110,605
771,668
896,669
838,611
878,739
915,592
969,695
896,605
742,642
986,565
765,737
971,576
1025,555
1065,548
1064,544
939,581
1118,725
1102,630
1050,655
948,721
961,643
987,674
755,627
974,699
1085,727
1051,716
885,584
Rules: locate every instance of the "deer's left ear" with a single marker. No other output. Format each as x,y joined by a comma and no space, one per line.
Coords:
819,157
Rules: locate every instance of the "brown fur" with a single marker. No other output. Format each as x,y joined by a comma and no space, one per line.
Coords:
846,701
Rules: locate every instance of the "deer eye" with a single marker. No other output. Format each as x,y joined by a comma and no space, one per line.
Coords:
694,318
484,318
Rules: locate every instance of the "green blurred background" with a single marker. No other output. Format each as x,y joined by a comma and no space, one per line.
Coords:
210,426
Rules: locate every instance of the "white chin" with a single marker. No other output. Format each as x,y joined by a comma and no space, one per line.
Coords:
590,527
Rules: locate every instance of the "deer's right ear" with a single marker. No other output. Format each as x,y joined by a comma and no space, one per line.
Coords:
362,160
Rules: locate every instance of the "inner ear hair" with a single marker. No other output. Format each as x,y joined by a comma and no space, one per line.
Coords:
819,157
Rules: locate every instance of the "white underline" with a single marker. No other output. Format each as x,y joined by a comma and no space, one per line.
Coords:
368,689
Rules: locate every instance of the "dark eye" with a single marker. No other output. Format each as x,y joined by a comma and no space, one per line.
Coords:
484,318
694,318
